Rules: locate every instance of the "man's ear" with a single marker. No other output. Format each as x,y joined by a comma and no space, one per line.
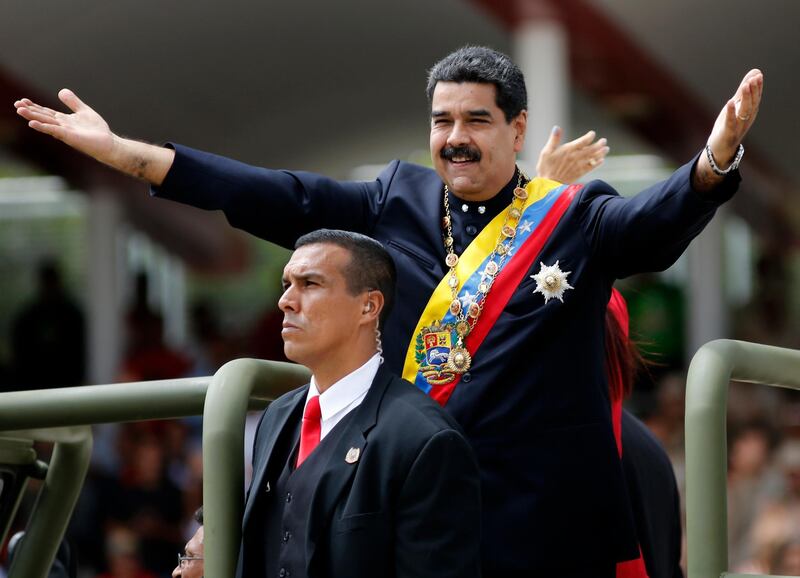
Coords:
373,305
520,125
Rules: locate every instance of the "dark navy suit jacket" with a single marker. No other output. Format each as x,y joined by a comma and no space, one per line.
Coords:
408,507
535,404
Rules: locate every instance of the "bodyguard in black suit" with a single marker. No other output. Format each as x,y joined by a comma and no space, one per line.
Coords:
393,488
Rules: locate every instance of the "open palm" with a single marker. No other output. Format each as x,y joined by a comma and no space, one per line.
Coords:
83,129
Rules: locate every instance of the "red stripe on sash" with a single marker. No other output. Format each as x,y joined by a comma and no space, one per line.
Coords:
507,282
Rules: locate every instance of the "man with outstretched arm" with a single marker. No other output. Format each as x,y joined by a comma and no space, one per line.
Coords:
502,287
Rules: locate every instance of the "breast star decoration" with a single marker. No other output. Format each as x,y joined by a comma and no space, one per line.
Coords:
551,282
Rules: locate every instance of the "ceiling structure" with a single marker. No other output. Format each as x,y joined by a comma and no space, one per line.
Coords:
327,86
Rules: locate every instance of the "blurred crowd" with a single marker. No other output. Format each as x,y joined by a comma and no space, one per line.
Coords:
136,510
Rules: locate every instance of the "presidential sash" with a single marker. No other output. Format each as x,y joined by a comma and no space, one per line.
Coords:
426,358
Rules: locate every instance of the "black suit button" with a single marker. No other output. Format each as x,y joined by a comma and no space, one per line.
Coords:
467,377
286,535
471,230
288,497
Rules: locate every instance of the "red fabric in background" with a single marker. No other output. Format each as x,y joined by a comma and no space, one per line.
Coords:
619,309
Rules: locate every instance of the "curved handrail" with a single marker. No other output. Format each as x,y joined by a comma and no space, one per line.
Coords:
223,448
62,486
712,368
238,386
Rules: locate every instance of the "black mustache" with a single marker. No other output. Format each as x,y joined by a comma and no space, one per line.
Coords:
469,153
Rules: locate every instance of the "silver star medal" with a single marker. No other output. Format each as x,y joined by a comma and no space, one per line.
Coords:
551,282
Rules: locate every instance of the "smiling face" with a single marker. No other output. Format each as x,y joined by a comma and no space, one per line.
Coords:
323,322
473,147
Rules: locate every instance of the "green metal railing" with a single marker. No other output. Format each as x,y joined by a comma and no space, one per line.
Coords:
57,497
711,370
223,400
248,384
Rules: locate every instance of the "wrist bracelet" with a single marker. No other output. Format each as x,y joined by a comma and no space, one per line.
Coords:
734,165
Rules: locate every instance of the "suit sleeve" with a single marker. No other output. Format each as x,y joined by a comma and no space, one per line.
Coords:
648,232
278,206
438,516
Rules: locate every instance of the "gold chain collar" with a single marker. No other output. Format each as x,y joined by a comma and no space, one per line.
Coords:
467,314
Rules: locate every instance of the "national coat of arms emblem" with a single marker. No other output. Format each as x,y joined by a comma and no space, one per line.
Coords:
432,352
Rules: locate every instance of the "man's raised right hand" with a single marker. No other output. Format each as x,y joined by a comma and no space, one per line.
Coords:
86,131
83,130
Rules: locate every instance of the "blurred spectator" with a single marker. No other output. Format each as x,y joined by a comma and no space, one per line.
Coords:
148,356
143,498
123,556
666,421
751,481
210,348
48,336
766,319
786,561
778,521
141,318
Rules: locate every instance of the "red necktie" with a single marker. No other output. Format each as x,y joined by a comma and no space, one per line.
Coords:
310,429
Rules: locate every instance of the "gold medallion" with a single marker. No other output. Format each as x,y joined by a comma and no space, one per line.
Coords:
453,282
514,213
491,268
445,222
462,328
459,360
448,241
509,231
474,310
483,288
451,260
520,193
455,307
502,249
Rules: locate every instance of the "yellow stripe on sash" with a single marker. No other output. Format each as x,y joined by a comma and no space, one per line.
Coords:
475,254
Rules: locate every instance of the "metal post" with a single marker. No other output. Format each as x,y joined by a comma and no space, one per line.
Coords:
57,498
223,448
714,365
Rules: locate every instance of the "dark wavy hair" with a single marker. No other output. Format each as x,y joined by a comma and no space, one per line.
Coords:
486,66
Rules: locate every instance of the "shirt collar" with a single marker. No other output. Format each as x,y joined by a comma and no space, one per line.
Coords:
493,206
347,390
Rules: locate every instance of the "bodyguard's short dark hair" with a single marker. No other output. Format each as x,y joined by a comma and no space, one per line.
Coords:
198,515
370,267
486,66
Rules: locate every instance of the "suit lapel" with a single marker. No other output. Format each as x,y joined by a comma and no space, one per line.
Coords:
268,433
337,473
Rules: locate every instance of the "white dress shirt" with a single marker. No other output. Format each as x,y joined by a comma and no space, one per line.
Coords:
345,395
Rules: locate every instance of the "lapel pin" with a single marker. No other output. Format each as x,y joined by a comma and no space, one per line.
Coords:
352,455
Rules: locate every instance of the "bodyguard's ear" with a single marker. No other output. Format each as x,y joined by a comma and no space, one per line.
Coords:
373,305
